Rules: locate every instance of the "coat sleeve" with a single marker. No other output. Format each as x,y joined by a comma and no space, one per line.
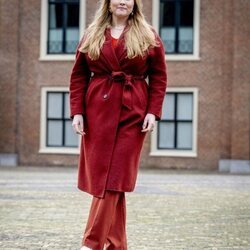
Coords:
79,79
157,76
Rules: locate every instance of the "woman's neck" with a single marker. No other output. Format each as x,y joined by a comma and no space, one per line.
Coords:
119,22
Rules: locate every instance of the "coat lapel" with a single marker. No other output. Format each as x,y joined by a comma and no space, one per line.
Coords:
113,56
120,49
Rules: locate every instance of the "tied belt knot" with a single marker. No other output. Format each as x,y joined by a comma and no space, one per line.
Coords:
127,79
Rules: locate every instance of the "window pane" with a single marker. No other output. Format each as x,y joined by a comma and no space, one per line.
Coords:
72,36
55,28
73,15
185,106
166,135
55,104
55,16
187,13
185,40
55,133
72,32
167,23
55,41
71,139
66,105
167,13
168,37
184,135
168,107
186,26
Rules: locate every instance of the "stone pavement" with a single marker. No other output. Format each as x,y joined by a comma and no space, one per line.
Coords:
41,208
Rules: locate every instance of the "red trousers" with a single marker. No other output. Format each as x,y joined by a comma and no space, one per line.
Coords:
106,223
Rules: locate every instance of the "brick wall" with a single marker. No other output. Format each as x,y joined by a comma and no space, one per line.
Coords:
221,76
9,31
241,82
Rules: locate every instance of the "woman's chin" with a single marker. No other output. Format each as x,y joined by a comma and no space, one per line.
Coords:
121,15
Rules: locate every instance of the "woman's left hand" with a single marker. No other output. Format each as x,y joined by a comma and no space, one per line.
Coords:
149,123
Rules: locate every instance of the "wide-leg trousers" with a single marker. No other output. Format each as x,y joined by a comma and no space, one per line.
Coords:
106,224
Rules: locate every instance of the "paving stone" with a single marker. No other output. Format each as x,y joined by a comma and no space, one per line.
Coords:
41,208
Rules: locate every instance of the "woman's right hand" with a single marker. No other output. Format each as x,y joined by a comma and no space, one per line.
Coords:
78,122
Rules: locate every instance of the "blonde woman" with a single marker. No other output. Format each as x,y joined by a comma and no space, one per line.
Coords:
113,108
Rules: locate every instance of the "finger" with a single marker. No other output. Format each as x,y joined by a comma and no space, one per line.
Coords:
77,130
144,125
82,127
145,129
150,127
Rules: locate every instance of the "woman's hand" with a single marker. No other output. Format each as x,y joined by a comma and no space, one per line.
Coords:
149,123
78,121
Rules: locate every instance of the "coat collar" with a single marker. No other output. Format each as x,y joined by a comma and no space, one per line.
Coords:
114,55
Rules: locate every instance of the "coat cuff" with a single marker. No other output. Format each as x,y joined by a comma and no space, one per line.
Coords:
76,112
157,114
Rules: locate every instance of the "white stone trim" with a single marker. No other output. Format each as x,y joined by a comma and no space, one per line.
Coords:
43,132
178,153
44,32
234,166
181,57
8,160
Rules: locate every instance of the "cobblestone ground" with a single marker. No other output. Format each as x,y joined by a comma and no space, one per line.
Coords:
41,208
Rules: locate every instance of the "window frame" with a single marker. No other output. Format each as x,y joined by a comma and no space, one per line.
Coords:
44,56
43,125
180,57
154,151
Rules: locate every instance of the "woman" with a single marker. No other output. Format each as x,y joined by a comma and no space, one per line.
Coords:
113,107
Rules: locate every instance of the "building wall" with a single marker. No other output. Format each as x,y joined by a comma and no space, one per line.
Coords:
9,74
220,76
35,74
240,84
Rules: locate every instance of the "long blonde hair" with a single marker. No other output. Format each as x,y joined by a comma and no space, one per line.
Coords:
138,38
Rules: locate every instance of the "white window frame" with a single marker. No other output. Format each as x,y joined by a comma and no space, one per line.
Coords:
43,127
176,152
180,57
44,33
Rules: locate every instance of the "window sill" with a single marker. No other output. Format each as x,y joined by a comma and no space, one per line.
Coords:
57,58
54,150
174,153
182,57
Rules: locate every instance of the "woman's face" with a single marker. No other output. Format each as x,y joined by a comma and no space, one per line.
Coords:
121,8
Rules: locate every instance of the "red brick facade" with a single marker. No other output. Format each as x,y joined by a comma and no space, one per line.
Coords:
221,76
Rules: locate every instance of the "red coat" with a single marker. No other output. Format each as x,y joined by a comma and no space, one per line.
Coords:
114,102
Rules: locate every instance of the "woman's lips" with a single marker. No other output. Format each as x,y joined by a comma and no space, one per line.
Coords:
120,8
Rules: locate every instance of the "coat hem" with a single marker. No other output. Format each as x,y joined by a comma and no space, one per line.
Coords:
102,195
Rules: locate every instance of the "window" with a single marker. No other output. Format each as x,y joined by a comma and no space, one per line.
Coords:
59,129
178,25
175,128
63,28
62,25
176,131
57,133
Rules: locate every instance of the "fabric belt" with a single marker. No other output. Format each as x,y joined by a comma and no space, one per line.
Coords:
127,79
